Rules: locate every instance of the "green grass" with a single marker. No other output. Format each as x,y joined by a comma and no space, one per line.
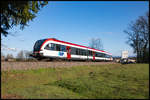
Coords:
114,81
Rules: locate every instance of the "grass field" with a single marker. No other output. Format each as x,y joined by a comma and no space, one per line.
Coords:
114,81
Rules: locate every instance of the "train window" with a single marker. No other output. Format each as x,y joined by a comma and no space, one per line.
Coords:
80,52
73,50
99,54
50,46
96,54
84,52
87,52
77,51
108,56
104,55
53,46
63,48
90,53
57,47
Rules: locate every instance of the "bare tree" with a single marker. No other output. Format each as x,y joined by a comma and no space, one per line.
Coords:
27,54
9,56
2,56
138,37
96,43
20,55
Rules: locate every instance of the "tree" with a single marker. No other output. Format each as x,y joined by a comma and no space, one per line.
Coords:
96,43
138,37
20,55
2,56
27,54
15,13
9,56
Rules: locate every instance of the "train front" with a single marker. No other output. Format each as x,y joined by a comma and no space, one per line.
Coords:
37,52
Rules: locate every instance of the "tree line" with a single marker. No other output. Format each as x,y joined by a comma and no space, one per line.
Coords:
23,55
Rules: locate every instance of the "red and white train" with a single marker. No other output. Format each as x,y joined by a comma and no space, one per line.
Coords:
53,48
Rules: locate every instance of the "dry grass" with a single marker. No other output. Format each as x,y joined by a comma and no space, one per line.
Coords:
36,65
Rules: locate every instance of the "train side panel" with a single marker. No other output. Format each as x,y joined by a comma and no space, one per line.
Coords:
62,54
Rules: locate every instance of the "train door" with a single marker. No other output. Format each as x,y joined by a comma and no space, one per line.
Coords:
68,52
93,55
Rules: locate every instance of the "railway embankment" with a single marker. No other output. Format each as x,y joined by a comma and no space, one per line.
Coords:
6,66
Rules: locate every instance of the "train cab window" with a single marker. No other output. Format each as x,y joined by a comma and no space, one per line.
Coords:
63,48
38,44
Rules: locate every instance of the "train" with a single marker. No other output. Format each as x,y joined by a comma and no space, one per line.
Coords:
53,48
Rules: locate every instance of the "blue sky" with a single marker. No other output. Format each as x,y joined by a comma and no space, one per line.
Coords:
78,22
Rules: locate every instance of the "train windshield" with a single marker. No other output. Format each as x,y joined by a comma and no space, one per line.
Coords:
38,45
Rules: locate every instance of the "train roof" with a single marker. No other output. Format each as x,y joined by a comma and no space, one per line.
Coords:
54,39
